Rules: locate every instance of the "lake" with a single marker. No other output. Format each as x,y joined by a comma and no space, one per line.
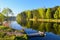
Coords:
50,35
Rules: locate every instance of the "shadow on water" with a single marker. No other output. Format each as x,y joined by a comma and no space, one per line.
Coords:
52,30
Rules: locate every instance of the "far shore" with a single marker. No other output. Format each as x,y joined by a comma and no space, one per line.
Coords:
45,20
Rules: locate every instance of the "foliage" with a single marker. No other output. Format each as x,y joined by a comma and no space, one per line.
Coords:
48,13
20,38
41,13
5,36
6,12
56,14
2,17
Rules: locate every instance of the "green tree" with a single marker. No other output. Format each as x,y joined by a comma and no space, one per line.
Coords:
28,14
41,13
59,12
35,14
1,18
55,26
48,14
18,18
6,12
56,14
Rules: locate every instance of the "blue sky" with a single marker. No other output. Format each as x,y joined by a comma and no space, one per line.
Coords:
18,6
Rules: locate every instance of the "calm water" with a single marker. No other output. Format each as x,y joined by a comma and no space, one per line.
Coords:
49,35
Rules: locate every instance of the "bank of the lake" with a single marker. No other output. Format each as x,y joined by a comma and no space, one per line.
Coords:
45,20
8,33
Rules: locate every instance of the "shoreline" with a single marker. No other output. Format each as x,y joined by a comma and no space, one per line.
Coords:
45,20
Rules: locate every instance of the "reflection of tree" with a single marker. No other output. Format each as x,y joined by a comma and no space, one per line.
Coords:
35,25
48,27
41,26
58,29
55,27
28,24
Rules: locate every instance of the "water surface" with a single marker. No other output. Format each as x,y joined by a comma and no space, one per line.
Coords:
50,35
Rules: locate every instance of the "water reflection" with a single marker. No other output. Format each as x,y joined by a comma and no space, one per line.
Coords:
43,26
39,26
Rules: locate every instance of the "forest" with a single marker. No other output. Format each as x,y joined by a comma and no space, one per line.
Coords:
42,19
40,13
